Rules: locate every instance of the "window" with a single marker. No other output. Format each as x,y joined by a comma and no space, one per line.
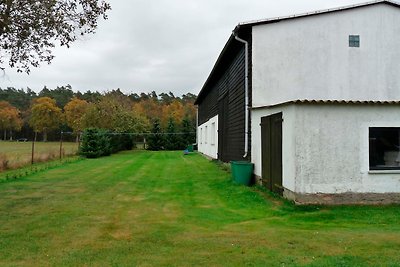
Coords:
201,135
384,148
354,40
205,135
213,133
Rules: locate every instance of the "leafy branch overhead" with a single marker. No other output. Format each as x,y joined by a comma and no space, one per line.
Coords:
30,29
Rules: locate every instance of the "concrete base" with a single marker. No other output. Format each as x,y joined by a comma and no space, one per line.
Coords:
206,156
343,198
258,180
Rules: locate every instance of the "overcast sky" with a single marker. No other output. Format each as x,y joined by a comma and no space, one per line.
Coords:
160,45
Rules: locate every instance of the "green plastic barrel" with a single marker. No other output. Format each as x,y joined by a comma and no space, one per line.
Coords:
190,148
242,172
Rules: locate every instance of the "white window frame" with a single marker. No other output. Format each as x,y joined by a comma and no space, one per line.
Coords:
206,135
213,133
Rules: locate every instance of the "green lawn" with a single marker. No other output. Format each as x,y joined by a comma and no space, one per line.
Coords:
166,209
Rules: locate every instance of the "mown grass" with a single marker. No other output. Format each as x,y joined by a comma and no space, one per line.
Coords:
14,155
163,208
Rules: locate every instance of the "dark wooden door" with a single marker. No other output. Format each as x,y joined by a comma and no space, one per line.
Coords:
223,109
271,152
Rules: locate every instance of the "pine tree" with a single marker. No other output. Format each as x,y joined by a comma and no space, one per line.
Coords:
95,143
172,140
156,141
188,130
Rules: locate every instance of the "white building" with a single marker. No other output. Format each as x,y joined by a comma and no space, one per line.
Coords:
323,89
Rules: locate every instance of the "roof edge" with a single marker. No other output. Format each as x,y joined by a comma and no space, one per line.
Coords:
227,44
332,102
317,12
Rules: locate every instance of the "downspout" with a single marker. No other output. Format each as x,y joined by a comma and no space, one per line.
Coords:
197,126
246,93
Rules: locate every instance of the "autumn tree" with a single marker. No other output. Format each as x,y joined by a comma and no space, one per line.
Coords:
103,114
74,112
150,108
174,110
112,114
45,116
30,29
62,94
113,110
9,118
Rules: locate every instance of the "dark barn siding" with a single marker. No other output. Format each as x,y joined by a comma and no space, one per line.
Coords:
208,107
228,82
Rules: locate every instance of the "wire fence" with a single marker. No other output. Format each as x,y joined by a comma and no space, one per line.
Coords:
14,154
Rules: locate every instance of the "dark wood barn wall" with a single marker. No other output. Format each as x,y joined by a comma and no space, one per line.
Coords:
229,83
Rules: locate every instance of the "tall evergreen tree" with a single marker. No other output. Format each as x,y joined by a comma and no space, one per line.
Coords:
156,140
172,140
188,130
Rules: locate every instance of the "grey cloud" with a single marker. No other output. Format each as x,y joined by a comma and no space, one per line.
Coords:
163,45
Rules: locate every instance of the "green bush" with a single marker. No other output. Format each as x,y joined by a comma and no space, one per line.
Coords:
120,142
98,143
95,143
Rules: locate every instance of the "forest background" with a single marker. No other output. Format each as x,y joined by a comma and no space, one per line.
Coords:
52,111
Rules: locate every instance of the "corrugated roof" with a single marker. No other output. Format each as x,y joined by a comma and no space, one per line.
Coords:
344,102
308,101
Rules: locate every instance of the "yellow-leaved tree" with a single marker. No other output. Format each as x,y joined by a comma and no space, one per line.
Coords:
174,110
45,116
10,119
74,112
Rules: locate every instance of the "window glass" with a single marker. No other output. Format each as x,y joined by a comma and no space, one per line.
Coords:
213,133
384,148
354,40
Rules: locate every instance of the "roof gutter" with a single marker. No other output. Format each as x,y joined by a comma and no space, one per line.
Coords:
246,94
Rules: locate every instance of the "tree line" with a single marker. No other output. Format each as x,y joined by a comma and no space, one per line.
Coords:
25,113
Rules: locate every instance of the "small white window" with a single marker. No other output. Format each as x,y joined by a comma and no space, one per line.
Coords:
213,133
206,135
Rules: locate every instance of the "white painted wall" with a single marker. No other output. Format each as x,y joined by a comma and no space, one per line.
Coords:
310,58
208,138
288,146
332,148
325,148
